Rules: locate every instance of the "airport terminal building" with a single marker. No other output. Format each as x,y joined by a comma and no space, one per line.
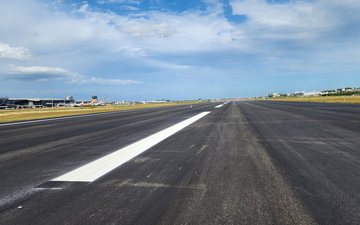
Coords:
36,102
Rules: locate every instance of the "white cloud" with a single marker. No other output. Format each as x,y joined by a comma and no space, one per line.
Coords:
153,31
130,8
40,70
165,65
119,1
97,80
162,32
294,14
44,73
41,73
296,20
9,52
301,34
150,33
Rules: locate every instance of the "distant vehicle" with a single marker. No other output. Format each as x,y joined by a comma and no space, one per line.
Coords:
61,104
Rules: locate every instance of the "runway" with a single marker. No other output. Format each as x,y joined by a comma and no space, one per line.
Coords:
249,162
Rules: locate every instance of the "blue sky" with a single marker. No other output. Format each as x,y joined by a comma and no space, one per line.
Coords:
156,49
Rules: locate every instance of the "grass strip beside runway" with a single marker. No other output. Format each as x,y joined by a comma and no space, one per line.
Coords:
42,113
327,99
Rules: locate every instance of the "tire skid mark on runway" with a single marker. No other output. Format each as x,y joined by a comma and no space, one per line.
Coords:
142,184
132,183
202,149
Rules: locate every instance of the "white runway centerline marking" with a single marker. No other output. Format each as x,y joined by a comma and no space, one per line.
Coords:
96,169
218,106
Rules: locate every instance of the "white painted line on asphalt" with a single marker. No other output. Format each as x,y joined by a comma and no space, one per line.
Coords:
218,106
102,166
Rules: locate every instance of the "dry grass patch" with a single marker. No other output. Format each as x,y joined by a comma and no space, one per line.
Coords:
328,99
30,114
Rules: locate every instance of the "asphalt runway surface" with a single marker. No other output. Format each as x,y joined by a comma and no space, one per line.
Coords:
239,163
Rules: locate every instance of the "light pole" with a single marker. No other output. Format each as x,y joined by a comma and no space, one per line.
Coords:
52,100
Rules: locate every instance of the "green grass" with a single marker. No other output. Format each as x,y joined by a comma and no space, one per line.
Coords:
327,99
30,114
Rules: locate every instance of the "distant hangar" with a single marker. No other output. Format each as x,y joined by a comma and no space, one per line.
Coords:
38,102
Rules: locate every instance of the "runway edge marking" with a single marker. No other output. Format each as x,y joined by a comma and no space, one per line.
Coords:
98,168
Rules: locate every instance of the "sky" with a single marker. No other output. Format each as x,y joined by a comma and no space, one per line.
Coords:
177,49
